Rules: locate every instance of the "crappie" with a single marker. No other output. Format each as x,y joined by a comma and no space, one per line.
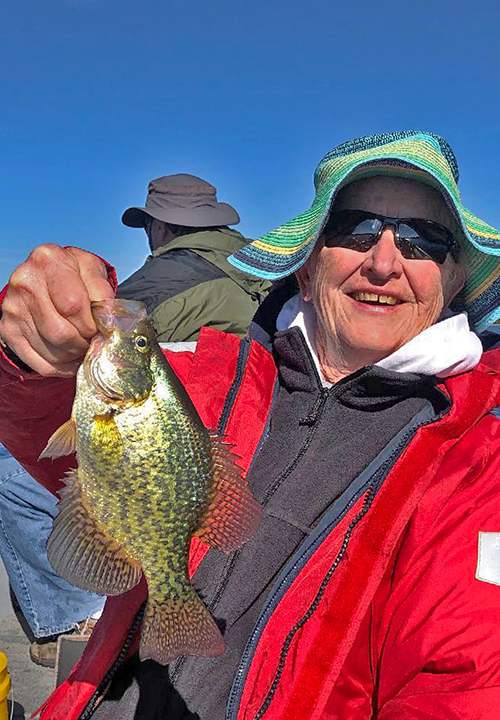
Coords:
149,477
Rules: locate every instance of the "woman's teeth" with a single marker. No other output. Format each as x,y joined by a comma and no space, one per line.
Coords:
373,298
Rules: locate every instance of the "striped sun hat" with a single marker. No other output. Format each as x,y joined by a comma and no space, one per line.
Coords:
419,155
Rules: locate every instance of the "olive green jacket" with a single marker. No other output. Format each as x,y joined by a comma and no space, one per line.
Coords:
189,283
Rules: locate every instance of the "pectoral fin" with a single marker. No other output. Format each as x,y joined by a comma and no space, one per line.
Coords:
62,442
233,515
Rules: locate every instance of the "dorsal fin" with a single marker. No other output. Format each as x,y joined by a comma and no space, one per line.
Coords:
61,442
233,515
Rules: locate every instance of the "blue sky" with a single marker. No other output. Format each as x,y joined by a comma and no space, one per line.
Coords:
99,96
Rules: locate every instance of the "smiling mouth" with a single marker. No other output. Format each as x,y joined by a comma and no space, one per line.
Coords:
373,299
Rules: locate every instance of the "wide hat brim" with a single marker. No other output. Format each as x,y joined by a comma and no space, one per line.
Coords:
417,155
221,214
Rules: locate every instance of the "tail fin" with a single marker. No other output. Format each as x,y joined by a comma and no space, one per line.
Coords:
179,626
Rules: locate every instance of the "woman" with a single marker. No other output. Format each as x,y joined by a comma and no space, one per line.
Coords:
363,413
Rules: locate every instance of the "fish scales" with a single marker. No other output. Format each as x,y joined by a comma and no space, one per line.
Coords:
149,477
162,509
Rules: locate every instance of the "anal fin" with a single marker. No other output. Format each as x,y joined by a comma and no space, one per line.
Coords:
233,515
80,551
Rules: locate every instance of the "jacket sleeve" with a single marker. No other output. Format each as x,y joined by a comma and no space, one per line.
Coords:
440,637
33,407
167,275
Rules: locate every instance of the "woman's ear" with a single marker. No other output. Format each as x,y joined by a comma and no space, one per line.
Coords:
305,275
304,282
454,277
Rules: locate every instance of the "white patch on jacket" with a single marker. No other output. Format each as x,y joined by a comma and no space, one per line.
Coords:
488,557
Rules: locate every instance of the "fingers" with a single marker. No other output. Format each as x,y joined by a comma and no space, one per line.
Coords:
94,275
46,317
37,363
74,303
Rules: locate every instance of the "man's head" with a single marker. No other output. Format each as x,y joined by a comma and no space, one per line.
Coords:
373,297
160,233
177,204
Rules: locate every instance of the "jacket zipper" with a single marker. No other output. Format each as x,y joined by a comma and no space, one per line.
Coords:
235,385
178,665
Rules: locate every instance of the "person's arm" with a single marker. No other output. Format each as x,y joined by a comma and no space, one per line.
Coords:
46,323
440,640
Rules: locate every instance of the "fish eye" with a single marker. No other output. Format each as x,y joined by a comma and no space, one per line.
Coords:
141,343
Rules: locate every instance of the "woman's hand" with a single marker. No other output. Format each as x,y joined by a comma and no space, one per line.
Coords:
46,318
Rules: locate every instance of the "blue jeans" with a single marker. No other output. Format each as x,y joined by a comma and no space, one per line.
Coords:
49,604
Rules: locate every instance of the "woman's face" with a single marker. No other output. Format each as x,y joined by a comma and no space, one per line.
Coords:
372,303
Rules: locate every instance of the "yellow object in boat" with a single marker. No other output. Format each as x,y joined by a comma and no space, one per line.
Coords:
4,687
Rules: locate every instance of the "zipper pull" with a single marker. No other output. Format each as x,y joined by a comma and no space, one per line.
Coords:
313,416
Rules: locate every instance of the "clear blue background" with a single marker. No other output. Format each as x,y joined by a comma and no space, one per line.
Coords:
99,96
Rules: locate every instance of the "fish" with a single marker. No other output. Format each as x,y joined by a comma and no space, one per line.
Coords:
149,478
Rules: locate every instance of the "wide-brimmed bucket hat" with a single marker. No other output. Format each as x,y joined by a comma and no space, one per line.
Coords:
182,200
422,156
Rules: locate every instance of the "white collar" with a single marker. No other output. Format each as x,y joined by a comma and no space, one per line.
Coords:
447,348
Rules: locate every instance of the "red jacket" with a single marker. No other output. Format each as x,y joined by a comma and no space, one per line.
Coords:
382,617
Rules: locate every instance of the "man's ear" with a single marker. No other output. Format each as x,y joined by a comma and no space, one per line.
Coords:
453,282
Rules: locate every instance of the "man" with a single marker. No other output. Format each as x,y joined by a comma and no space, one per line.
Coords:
187,282
364,414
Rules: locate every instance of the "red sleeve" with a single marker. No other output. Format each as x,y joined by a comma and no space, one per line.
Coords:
181,363
33,407
440,640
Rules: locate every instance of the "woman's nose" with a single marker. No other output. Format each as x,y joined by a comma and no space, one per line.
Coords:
384,258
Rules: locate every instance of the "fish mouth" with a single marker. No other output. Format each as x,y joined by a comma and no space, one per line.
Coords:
111,366
110,315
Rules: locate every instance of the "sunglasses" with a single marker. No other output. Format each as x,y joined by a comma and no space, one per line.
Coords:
415,239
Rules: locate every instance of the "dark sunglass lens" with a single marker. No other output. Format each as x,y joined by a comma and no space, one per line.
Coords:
408,232
364,234
360,243
369,226
352,230
436,233
415,244
411,251
433,231
342,222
